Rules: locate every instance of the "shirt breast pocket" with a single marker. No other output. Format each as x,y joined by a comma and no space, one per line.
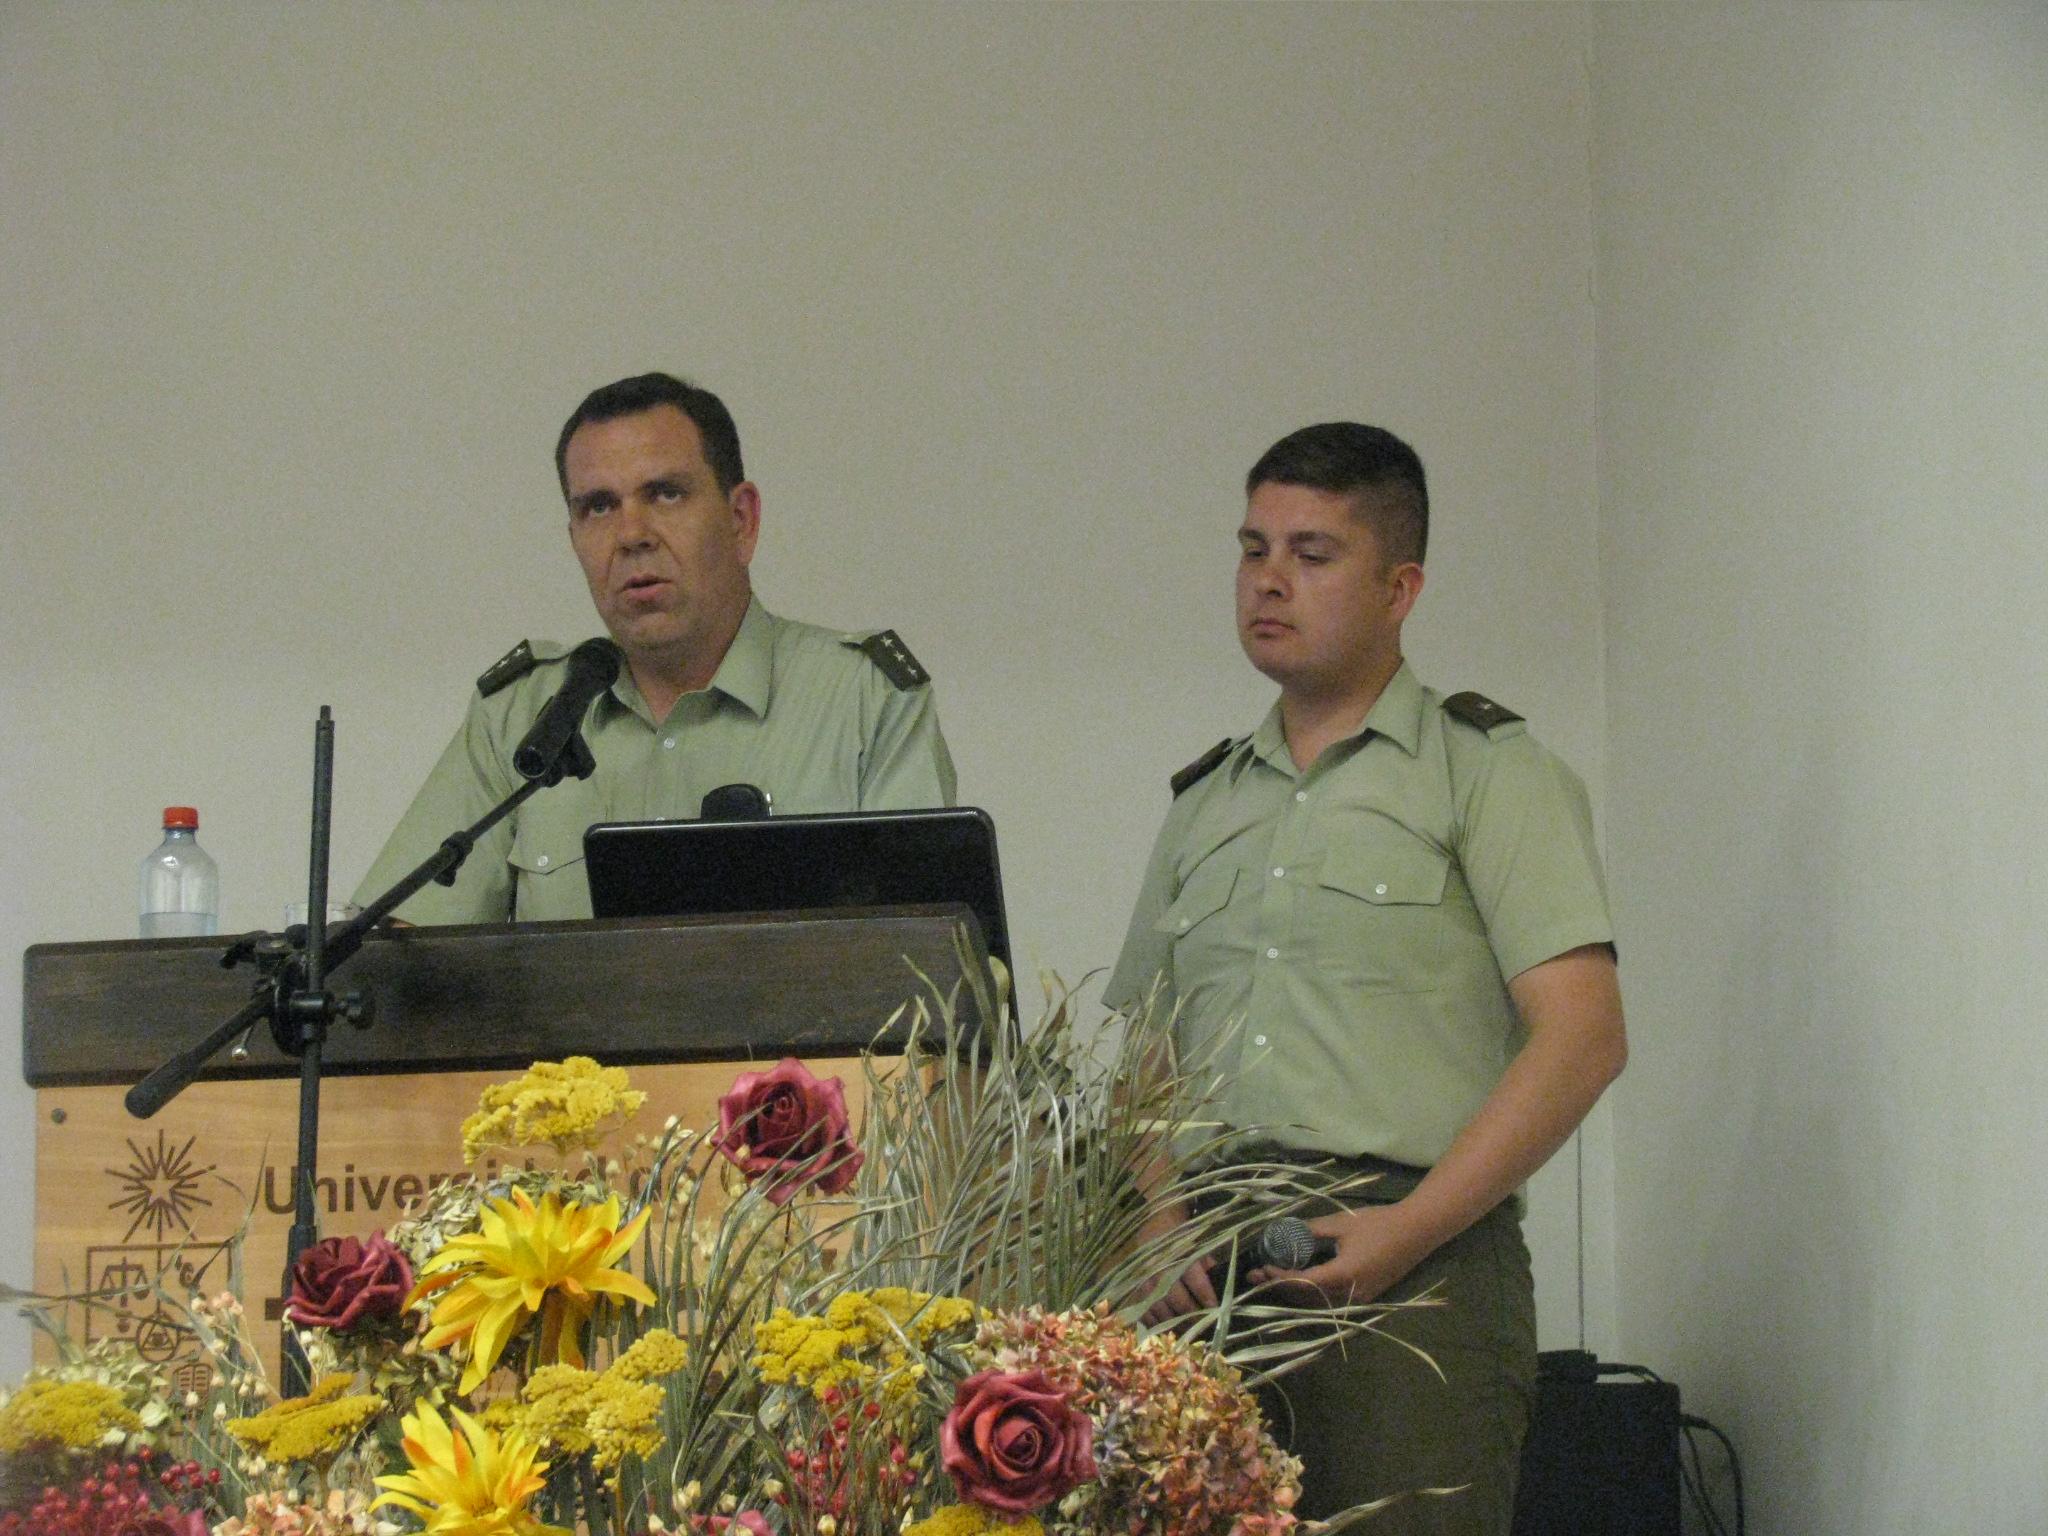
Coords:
1377,915
1194,923
547,875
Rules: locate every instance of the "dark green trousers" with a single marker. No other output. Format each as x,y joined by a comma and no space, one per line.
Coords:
1371,1419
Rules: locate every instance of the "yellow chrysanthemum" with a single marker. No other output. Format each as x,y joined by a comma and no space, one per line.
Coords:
973,1520
567,1104
553,1260
76,1414
316,1427
466,1481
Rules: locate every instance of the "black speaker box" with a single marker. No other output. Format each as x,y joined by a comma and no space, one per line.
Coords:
1601,1459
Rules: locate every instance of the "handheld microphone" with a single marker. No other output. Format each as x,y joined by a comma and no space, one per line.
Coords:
1285,1243
593,667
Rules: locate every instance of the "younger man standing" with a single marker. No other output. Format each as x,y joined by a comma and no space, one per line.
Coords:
1387,908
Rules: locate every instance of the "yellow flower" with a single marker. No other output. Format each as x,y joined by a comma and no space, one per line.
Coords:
555,1408
567,1104
973,1520
553,1260
612,1414
655,1353
622,1419
805,1350
316,1427
75,1414
859,1340
465,1481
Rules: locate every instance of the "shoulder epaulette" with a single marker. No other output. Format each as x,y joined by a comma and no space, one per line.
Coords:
885,648
511,667
1201,767
1477,710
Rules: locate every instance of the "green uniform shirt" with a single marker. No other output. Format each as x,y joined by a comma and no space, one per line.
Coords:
1361,920
798,710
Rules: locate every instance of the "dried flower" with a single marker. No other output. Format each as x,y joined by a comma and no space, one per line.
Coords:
345,1281
76,1415
1190,1456
789,1127
316,1427
1014,1442
465,1481
973,1520
553,1260
567,1105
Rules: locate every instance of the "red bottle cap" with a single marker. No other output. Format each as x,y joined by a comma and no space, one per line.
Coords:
180,816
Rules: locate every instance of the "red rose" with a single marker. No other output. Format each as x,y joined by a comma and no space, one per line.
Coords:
1014,1443
343,1281
791,1127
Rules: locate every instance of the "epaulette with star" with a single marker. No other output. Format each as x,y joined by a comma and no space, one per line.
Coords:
1201,767
1480,712
514,665
885,648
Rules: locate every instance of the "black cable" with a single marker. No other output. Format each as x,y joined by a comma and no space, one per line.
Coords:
1695,1479
1691,1422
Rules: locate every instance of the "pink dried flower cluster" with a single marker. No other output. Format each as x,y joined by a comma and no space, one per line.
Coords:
1180,1446
270,1515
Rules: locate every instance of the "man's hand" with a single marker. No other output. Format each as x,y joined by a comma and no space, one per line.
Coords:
1194,1289
1376,1246
1571,1006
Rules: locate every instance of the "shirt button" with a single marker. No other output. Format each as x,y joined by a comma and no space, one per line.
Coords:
1258,1039
1183,925
541,862
1279,874
1301,794
1272,954
1379,890
668,744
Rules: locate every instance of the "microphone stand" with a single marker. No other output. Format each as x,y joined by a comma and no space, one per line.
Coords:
292,994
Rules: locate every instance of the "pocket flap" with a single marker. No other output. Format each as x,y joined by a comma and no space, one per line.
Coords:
1387,871
535,852
1206,893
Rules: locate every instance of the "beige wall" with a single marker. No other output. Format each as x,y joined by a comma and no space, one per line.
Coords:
1823,344
1006,299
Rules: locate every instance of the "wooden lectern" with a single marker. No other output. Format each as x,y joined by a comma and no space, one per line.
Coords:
686,1002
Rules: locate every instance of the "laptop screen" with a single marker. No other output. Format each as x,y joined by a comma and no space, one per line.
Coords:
789,863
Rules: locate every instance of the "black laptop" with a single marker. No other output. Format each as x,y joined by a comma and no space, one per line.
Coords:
794,863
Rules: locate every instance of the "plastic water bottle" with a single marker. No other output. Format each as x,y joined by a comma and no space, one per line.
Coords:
180,882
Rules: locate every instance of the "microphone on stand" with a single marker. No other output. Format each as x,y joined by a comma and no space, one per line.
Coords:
734,802
593,667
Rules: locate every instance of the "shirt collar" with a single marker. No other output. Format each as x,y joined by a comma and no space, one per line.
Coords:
1396,714
747,674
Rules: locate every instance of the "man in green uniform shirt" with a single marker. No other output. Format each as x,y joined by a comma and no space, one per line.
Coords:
715,689
1382,918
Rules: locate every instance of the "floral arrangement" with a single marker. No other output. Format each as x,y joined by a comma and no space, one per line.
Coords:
780,1323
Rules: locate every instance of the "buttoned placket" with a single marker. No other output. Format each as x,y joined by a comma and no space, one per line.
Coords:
1277,936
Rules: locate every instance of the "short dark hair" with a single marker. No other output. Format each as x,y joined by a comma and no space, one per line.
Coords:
1381,473
643,392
